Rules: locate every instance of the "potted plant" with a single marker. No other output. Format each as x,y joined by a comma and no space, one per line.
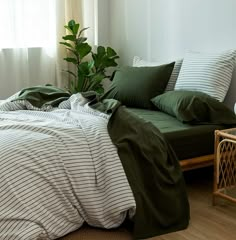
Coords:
88,67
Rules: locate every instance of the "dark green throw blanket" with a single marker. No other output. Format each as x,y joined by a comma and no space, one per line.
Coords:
152,169
153,173
39,96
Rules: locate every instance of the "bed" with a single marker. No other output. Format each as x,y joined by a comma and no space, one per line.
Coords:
80,163
104,161
211,73
193,144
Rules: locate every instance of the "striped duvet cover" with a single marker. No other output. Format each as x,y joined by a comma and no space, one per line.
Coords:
58,169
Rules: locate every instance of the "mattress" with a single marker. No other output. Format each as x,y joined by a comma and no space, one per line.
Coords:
188,141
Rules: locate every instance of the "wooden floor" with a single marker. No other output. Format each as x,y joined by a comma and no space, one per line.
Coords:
207,222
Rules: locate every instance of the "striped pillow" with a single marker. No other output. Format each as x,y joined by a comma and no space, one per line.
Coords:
174,75
210,73
139,62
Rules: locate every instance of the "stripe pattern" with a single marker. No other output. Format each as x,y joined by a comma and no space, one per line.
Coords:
174,75
59,169
210,73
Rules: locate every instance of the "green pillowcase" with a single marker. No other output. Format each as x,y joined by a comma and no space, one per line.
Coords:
135,86
194,107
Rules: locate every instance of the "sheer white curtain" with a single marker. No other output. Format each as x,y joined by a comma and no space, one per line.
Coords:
30,52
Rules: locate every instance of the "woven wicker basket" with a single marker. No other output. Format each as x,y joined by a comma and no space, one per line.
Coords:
225,164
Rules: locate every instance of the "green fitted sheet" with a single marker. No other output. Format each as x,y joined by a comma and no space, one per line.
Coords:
188,141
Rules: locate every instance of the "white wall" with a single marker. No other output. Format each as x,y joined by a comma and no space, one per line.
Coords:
162,29
159,30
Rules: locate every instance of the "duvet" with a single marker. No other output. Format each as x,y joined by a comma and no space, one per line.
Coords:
59,169
85,160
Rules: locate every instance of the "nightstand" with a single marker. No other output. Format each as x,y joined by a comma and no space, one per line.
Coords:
225,165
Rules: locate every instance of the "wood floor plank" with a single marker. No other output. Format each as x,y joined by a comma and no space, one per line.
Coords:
207,222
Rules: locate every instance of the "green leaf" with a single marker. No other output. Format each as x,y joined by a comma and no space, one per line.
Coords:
73,51
80,40
101,51
68,28
96,79
99,89
80,81
82,30
71,73
92,86
75,29
86,84
66,44
72,60
69,37
71,24
111,52
99,56
83,49
109,63
91,64
115,57
84,68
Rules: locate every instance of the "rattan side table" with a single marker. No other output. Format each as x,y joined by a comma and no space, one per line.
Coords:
225,165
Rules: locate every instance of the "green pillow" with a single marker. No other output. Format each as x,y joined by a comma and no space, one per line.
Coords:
194,107
135,86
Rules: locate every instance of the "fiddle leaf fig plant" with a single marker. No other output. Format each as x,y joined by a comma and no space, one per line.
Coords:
88,68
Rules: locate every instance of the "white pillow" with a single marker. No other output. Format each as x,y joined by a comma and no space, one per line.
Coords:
210,73
139,62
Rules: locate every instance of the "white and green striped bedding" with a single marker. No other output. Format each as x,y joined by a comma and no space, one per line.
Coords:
58,170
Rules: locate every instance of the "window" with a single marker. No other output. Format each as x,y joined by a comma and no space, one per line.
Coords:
27,23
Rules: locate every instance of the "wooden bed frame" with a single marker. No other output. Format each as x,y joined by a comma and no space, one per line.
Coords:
198,162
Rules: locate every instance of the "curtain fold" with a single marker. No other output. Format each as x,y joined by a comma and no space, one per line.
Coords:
30,53
65,11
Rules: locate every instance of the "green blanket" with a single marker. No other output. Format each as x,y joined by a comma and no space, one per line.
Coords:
153,173
40,95
152,169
